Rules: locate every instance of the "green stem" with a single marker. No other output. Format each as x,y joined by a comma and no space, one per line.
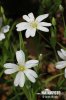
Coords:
63,20
55,54
61,45
18,94
51,78
43,37
27,92
10,32
21,41
61,82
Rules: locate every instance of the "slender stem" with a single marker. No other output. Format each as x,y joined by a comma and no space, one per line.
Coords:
27,92
55,54
18,94
51,78
44,38
21,41
10,32
63,20
61,45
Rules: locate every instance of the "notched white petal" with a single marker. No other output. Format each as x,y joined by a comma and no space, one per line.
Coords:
2,36
44,24
61,64
31,63
61,55
31,16
29,76
10,65
22,26
27,34
22,80
5,29
63,52
44,29
10,71
41,17
32,73
17,78
26,18
65,73
20,56
30,32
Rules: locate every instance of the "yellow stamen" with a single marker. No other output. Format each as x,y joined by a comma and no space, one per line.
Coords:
34,24
22,68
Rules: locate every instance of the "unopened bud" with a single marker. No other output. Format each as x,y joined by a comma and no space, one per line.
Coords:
40,57
61,8
53,21
2,10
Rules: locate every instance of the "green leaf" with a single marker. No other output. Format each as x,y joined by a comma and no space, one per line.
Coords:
65,33
53,39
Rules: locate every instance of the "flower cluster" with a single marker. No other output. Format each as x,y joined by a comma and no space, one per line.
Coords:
23,68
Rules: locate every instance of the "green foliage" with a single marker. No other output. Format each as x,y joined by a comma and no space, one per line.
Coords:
50,6
42,46
53,38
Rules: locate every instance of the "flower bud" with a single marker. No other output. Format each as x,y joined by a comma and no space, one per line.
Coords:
40,57
53,21
61,8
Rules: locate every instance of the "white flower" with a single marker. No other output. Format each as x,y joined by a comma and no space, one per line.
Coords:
33,24
3,30
23,68
62,64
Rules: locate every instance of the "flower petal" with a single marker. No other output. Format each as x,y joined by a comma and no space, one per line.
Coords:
30,32
20,56
10,65
61,55
64,52
2,36
25,17
22,79
31,16
65,73
22,26
17,79
29,76
41,17
27,34
32,73
10,71
60,64
31,63
44,29
44,24
5,29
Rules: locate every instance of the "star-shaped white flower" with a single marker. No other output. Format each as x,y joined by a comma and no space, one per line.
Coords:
32,24
23,69
3,30
62,64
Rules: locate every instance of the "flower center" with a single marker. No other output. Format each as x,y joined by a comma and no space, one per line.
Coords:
34,24
22,68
